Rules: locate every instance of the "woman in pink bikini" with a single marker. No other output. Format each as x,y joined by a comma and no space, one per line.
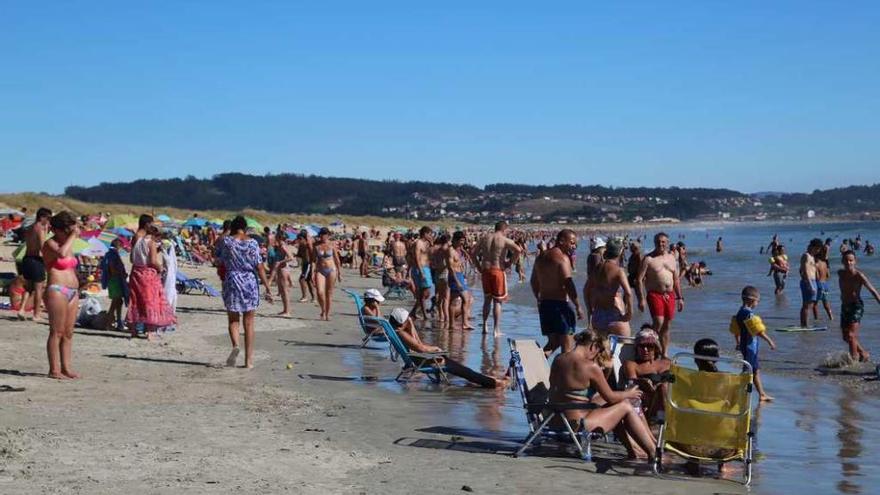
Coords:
62,294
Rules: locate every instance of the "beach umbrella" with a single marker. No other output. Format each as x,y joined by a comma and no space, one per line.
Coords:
88,234
122,232
253,224
195,222
107,237
163,218
312,230
124,221
218,222
79,246
96,248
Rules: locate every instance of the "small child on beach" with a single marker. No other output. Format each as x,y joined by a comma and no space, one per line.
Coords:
852,307
747,327
113,278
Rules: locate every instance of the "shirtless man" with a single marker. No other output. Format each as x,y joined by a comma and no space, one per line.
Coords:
361,248
32,268
306,261
457,283
809,284
420,272
632,269
554,289
852,307
658,275
490,254
823,273
440,274
398,253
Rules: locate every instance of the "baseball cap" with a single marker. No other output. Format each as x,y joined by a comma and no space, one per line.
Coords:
398,316
596,243
374,294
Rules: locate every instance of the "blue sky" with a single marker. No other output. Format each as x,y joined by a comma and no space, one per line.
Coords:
748,95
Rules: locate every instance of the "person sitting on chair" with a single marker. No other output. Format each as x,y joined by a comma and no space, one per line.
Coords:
577,376
405,328
647,370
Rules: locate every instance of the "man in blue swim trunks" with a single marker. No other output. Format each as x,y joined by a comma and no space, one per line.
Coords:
554,288
421,270
458,286
809,285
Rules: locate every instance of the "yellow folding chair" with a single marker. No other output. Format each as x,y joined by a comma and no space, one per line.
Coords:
708,415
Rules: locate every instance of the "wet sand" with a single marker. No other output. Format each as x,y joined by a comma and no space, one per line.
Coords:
166,417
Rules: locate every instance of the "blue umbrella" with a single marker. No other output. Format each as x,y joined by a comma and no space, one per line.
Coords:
163,218
122,232
195,222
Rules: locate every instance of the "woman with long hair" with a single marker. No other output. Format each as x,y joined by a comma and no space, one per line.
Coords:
577,376
240,257
62,294
327,271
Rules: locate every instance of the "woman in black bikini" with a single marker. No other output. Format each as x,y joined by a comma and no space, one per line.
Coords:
647,370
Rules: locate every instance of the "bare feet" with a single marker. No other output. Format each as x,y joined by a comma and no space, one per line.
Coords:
230,361
248,366
73,375
37,319
285,314
21,317
57,375
467,326
304,299
765,398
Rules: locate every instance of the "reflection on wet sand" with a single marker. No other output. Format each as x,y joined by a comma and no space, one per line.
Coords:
849,435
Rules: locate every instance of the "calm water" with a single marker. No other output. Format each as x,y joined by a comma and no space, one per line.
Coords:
817,437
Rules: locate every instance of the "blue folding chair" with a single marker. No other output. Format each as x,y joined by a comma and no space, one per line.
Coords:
428,363
370,326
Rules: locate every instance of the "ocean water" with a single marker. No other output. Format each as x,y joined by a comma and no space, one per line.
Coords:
819,436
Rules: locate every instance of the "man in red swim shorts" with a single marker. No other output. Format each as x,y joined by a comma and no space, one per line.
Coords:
491,255
658,273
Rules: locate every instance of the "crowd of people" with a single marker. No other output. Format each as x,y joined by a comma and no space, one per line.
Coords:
435,268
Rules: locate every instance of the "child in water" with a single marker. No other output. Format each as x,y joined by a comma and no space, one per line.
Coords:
746,327
852,307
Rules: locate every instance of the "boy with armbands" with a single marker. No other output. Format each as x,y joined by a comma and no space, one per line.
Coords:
746,327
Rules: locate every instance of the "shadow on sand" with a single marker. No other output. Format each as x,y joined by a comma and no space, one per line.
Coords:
164,361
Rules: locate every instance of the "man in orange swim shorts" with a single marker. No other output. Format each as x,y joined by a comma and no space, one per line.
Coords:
491,255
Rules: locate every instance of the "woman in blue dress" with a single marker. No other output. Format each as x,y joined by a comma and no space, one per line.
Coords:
240,257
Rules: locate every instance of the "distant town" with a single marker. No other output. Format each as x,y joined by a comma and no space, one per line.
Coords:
518,203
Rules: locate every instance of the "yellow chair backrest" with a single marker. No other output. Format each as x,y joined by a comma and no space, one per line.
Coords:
708,409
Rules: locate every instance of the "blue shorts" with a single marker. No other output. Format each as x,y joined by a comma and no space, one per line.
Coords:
422,278
809,291
457,283
821,291
557,317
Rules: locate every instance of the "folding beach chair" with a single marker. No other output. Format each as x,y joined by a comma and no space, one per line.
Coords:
371,328
394,290
622,349
532,374
186,285
427,363
182,252
707,415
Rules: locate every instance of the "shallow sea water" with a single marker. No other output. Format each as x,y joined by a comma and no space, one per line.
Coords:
817,437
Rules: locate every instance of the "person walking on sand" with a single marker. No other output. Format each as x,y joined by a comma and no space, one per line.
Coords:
328,271
240,256
554,289
32,267
490,254
304,251
279,271
852,308
809,286
658,275
62,294
361,248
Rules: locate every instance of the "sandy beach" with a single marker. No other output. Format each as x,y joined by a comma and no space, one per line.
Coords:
167,417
